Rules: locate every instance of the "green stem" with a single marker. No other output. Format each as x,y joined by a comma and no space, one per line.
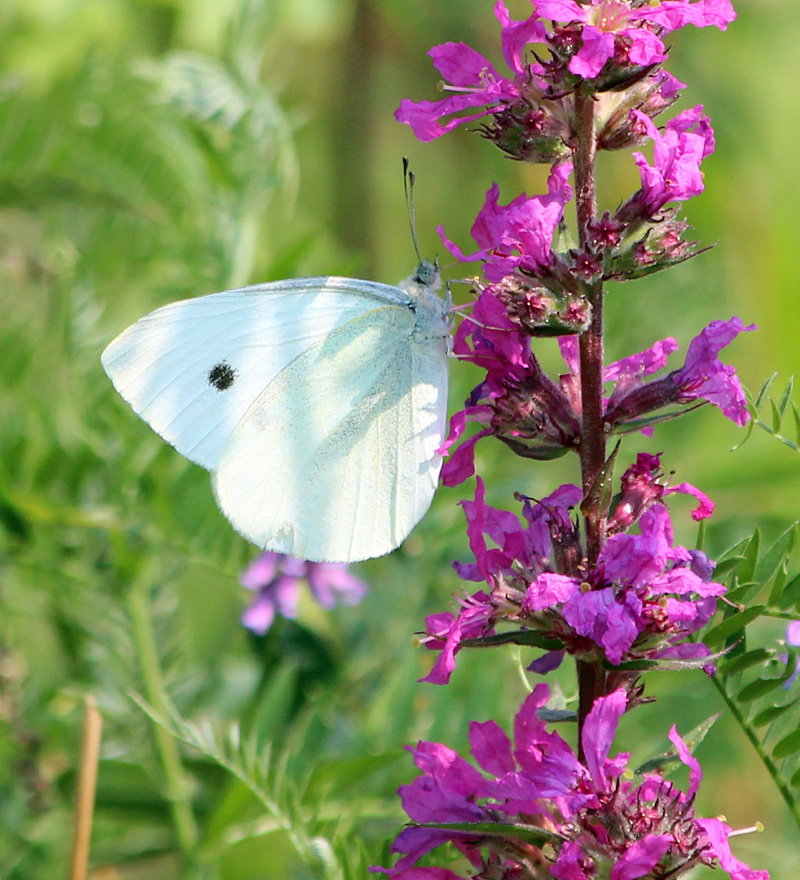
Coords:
772,769
176,785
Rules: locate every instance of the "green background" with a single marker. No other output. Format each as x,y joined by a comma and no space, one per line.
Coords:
155,150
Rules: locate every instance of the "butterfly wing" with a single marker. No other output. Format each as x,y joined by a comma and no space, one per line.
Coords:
192,369
336,458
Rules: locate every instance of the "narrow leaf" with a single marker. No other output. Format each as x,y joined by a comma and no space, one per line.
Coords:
630,427
526,833
759,688
778,585
772,713
742,593
700,541
764,686
745,661
670,761
732,625
777,554
598,498
726,565
791,594
764,389
786,396
748,432
748,568
538,453
787,746
776,417
517,637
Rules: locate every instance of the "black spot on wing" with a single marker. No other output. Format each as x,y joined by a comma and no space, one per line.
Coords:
221,376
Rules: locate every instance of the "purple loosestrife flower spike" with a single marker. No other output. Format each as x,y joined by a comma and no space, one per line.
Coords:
277,578
596,822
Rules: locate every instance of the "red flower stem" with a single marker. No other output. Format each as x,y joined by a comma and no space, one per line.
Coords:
591,680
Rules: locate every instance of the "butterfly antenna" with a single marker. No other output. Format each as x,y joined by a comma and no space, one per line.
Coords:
408,186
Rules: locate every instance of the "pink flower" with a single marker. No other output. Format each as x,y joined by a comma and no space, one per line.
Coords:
592,819
277,578
519,234
705,377
702,377
642,600
675,174
625,27
472,79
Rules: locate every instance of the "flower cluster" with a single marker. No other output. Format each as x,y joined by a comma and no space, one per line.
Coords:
276,580
582,572
640,601
534,810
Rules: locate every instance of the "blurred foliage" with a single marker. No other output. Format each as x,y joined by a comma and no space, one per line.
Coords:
157,149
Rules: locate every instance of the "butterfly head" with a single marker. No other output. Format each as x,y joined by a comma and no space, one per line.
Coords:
427,274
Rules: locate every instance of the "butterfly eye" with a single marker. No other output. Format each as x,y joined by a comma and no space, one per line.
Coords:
221,376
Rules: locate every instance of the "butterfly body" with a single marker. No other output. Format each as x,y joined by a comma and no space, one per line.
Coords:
318,405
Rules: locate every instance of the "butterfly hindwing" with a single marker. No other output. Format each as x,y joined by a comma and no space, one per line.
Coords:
336,459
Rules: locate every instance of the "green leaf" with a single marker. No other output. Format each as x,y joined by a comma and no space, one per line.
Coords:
537,453
764,390
786,397
787,746
796,418
727,565
732,625
777,555
776,417
526,833
630,427
758,688
748,433
772,713
517,637
764,686
742,593
629,665
739,664
778,586
598,499
669,761
790,597
747,570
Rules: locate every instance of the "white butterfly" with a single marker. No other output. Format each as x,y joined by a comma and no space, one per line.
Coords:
318,405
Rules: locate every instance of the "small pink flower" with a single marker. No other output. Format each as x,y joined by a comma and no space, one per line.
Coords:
276,579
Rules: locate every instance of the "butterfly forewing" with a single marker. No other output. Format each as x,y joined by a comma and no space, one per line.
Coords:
193,368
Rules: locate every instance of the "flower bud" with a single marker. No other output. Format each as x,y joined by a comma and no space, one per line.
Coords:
529,133
541,312
651,95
